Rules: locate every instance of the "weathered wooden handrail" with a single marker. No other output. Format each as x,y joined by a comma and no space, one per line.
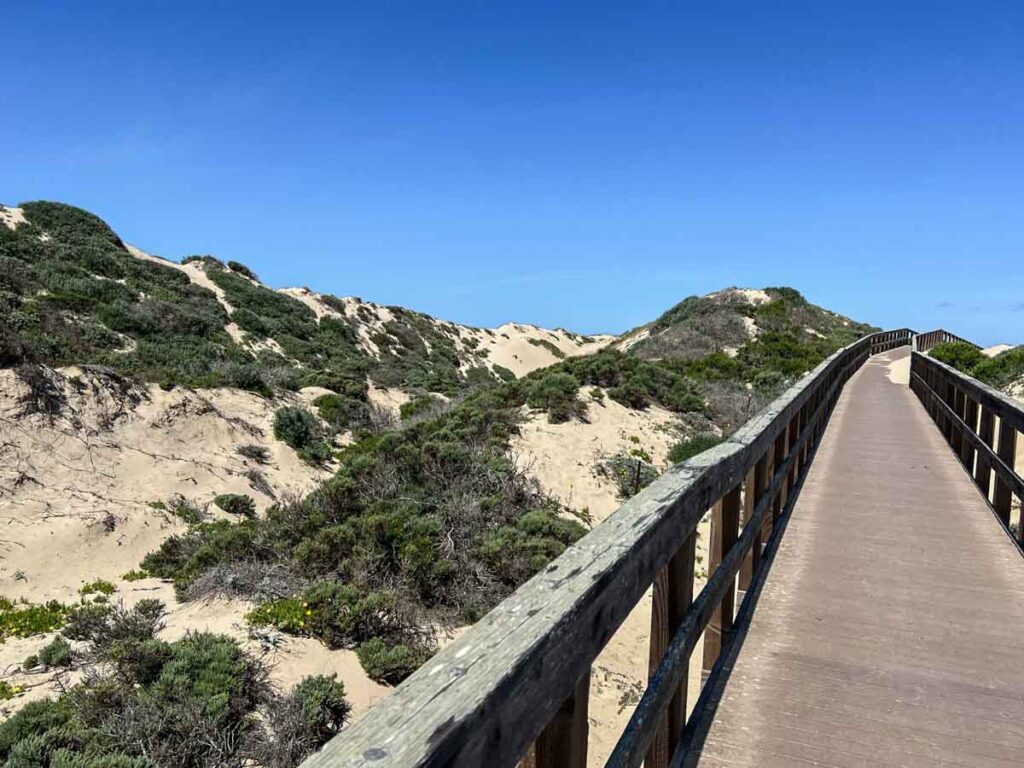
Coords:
982,426
516,683
929,339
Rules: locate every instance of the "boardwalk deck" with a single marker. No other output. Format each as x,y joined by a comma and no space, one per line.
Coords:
889,628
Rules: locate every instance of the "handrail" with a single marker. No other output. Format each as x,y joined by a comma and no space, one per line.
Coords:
980,424
929,339
515,685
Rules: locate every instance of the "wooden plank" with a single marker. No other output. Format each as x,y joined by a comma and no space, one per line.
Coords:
1000,404
487,696
635,739
749,496
673,595
983,469
967,450
1002,498
838,669
563,743
725,519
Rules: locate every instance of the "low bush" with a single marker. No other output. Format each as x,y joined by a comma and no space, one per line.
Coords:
556,393
24,619
959,354
236,504
386,664
257,453
8,691
999,371
56,654
199,701
687,449
98,587
629,473
421,406
300,430
237,266
312,713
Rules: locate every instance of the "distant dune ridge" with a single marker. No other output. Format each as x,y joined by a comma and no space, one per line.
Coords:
391,458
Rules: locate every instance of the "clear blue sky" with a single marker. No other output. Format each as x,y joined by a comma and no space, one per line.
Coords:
584,165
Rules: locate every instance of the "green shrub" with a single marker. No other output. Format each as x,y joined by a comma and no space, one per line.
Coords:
323,704
420,405
959,354
295,427
503,373
687,449
287,614
135,575
8,691
30,663
556,393
98,587
386,664
545,344
236,504
343,411
236,266
187,510
57,653
24,619
313,712
299,429
629,473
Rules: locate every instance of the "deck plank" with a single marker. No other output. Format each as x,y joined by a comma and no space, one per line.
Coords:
890,630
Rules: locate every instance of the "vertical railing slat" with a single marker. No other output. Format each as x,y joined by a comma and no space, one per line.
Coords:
563,743
725,523
673,594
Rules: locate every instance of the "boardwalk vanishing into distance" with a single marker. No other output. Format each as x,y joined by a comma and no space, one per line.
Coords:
862,607
890,629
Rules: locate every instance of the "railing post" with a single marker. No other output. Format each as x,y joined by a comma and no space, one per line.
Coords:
725,523
1006,450
563,743
781,448
673,594
967,450
983,470
958,410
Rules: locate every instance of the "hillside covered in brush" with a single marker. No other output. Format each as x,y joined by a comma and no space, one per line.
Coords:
327,482
71,292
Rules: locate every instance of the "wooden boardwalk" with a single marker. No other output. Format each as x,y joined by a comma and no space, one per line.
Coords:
890,628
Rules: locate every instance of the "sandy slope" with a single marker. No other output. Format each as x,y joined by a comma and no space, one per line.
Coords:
995,350
508,345
75,496
66,482
563,458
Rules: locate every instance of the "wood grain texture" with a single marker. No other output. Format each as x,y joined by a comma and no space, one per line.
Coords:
484,699
888,631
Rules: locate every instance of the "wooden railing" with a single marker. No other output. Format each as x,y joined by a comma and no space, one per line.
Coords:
925,341
514,687
981,425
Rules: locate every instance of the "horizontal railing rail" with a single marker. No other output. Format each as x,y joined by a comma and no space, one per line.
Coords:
515,686
981,425
929,339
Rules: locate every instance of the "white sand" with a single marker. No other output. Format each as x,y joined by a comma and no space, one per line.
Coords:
12,217
60,481
747,295
508,345
197,275
995,350
563,458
